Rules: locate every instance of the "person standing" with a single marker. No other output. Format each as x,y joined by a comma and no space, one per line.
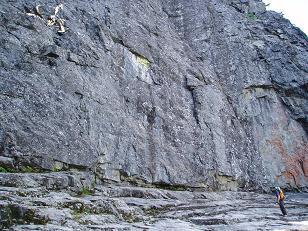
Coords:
280,200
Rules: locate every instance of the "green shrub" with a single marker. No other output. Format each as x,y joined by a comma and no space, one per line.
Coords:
86,191
24,169
56,168
28,169
3,169
251,16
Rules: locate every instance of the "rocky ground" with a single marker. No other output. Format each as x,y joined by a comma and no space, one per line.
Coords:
67,201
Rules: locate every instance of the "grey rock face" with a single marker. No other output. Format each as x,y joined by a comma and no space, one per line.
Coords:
196,93
110,207
258,57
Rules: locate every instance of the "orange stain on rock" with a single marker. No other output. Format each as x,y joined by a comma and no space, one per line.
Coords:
296,163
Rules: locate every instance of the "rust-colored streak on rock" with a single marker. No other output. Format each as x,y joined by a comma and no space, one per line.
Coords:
296,163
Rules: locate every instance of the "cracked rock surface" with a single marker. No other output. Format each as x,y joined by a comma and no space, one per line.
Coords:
124,207
209,94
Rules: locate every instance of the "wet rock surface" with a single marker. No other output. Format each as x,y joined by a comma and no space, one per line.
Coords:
119,207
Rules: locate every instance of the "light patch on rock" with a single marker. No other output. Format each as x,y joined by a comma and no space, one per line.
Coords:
137,66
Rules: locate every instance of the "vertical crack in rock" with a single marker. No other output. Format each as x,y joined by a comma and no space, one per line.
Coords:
195,107
151,115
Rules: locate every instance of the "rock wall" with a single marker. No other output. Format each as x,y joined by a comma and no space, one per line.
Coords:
206,94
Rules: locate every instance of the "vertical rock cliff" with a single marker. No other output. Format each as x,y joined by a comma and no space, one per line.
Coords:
198,93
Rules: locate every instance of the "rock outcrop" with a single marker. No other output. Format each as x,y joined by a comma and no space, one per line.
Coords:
209,94
36,201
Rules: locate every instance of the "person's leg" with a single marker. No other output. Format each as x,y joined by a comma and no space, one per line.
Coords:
282,208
